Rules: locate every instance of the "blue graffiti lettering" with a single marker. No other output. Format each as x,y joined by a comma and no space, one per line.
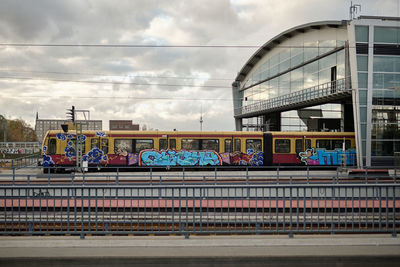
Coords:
179,158
320,156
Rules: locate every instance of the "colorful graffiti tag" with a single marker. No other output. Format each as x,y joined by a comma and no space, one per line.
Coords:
153,157
320,156
96,156
47,160
239,158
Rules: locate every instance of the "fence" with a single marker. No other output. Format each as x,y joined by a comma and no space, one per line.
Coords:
201,175
19,147
199,209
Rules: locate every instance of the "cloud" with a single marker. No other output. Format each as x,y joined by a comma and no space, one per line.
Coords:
143,84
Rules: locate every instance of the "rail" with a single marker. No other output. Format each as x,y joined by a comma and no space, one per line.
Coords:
306,97
199,209
26,161
203,175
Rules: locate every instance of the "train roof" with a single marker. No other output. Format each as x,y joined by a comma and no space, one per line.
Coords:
205,133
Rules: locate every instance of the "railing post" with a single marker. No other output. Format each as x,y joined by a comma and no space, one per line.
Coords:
247,174
12,167
394,233
290,212
277,174
151,173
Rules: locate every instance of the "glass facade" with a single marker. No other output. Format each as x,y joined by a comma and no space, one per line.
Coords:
385,135
364,54
295,69
325,117
381,98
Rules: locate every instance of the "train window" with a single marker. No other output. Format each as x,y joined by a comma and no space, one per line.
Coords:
74,146
338,144
333,144
347,144
324,144
300,147
308,143
253,145
142,144
94,142
163,144
190,144
228,145
282,145
52,147
104,145
172,143
210,144
121,146
237,146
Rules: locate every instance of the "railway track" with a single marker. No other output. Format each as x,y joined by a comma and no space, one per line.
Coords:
151,220
199,208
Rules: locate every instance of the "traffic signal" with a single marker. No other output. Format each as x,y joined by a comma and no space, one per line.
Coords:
64,127
71,113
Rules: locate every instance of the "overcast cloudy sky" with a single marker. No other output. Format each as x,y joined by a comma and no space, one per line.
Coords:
164,88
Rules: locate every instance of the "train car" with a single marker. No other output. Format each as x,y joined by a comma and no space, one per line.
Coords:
162,148
311,148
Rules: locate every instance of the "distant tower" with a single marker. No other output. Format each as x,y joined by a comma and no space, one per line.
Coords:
201,118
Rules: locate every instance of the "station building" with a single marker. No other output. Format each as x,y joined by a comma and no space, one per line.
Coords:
328,76
123,125
44,125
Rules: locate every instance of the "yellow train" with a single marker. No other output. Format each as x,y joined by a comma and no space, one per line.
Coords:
166,148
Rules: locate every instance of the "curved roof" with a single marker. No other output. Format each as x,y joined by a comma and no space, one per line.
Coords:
258,55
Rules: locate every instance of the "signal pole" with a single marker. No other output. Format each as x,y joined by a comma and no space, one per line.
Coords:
78,140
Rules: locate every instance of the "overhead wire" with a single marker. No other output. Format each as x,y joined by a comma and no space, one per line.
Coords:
121,97
160,46
119,76
115,82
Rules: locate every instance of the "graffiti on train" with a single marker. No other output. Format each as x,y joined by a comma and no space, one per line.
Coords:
239,158
95,155
321,156
152,157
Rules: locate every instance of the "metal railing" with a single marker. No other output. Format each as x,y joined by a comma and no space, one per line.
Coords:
203,175
199,209
19,147
25,162
319,92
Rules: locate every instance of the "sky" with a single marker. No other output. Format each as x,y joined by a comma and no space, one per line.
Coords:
162,64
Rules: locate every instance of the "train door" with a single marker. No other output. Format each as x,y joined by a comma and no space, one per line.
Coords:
52,147
100,143
227,146
267,149
302,145
237,145
162,144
